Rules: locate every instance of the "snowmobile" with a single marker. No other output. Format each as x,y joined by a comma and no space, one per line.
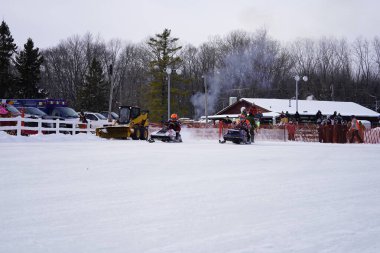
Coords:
237,136
165,135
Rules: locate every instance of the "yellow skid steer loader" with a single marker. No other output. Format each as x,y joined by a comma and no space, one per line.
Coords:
133,122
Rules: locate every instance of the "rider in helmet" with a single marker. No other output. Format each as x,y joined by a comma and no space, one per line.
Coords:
243,111
244,125
174,124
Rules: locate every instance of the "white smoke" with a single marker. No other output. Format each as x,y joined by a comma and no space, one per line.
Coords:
242,70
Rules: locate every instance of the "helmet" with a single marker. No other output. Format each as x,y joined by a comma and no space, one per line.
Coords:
174,116
242,109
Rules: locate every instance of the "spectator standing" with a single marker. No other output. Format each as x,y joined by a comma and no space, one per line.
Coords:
328,130
297,117
258,117
321,134
83,120
355,129
319,117
287,116
291,131
282,118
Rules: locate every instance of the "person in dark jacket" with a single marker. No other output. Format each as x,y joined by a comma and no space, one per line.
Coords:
252,121
319,117
83,120
297,117
174,124
82,117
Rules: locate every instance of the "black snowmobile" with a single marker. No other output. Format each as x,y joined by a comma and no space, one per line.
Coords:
237,136
165,135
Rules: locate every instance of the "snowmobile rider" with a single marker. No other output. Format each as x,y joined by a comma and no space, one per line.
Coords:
243,111
244,125
174,124
252,122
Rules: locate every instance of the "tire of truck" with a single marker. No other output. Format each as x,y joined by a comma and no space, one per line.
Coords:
136,133
144,133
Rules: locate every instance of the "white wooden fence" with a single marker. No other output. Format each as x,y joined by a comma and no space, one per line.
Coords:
21,126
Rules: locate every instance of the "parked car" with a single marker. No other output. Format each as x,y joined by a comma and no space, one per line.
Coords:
96,119
68,114
13,110
114,115
35,113
10,112
64,112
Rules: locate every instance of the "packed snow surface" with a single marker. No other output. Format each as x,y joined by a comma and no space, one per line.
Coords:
85,194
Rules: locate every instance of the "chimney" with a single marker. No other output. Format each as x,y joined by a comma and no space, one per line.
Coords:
232,100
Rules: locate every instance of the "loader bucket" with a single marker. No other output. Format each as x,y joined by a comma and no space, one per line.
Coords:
117,132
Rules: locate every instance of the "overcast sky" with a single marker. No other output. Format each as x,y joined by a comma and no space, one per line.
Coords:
193,21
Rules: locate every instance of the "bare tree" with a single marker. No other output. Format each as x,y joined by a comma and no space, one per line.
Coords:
376,56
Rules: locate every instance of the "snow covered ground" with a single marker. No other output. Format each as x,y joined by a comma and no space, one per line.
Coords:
84,194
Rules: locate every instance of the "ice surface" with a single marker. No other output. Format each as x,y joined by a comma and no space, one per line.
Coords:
83,194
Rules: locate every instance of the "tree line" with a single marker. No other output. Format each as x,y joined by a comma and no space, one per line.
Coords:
84,69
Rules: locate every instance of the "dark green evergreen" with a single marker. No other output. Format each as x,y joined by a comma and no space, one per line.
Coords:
164,50
93,95
7,49
28,64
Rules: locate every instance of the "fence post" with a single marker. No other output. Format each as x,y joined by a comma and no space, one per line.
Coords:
18,126
73,126
39,125
88,127
57,126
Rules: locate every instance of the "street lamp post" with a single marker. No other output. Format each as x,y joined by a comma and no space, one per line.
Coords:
169,72
297,78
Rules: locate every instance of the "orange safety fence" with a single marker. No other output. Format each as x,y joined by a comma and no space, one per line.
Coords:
372,136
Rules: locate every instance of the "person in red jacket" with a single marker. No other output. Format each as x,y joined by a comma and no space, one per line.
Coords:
291,127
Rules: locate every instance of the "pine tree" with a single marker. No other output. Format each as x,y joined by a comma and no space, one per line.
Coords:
28,63
164,50
7,49
92,96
